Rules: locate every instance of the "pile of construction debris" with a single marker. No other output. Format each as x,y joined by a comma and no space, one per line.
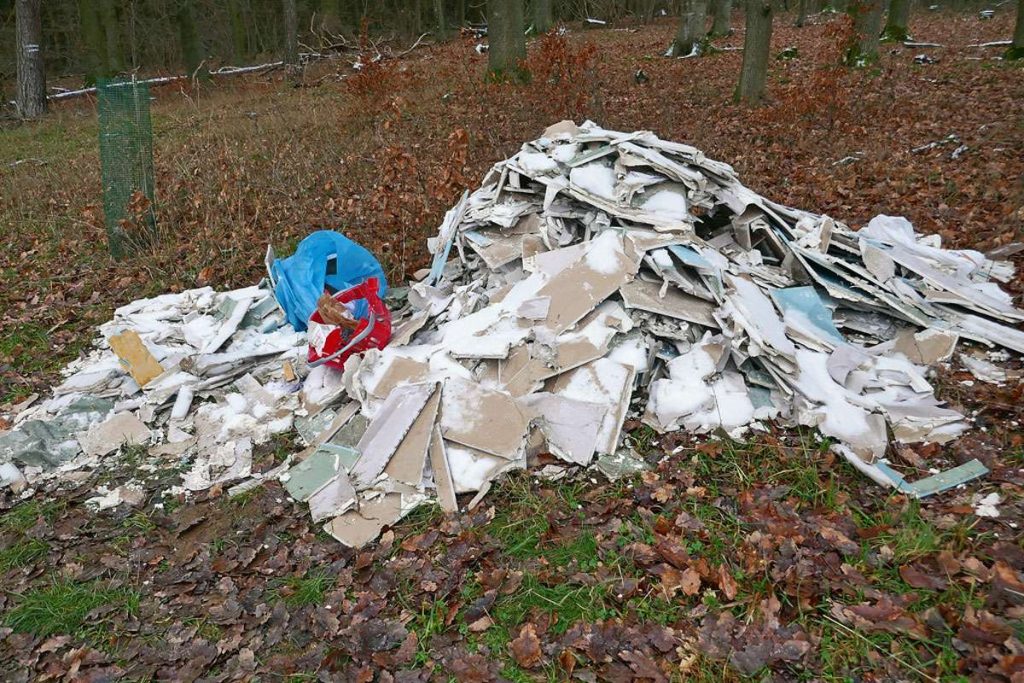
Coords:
594,276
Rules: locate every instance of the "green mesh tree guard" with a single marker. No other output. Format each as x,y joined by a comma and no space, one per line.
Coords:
126,160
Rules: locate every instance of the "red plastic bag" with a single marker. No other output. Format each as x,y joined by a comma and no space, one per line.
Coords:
373,332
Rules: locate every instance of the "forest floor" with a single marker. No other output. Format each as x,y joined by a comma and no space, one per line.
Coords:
766,558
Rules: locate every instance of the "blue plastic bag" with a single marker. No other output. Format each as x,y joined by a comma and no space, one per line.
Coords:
326,260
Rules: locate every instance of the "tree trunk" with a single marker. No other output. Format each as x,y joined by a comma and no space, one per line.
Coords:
506,42
722,10
239,39
801,18
867,25
648,10
543,18
897,20
112,31
442,21
1016,50
691,28
31,98
94,40
291,34
191,47
756,45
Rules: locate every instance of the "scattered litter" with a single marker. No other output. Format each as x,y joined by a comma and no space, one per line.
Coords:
951,139
595,277
11,476
988,506
110,498
925,59
984,370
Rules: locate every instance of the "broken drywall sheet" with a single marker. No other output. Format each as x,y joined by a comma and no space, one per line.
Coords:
605,382
441,469
386,432
648,296
313,473
984,370
570,427
408,463
473,470
118,430
220,464
336,497
607,264
358,527
135,358
484,419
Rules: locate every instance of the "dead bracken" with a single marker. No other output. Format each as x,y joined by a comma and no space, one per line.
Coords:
594,276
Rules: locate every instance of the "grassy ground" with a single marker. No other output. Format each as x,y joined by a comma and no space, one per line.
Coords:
765,558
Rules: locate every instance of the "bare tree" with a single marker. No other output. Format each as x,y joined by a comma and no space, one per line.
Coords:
442,20
801,17
756,45
693,14
506,42
867,24
543,16
722,13
1016,50
896,21
31,98
291,35
191,46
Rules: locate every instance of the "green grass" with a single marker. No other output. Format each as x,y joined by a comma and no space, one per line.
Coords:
23,517
297,591
905,531
22,554
64,606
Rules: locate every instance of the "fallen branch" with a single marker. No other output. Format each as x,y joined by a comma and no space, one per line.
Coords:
222,71
414,46
994,43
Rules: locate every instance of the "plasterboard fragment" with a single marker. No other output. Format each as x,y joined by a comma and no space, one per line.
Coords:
926,347
485,419
232,318
442,472
605,382
118,430
220,464
937,483
473,470
646,296
358,527
802,308
495,249
608,264
404,331
386,431
535,308
334,498
571,427
135,358
312,474
983,370
399,370
410,459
